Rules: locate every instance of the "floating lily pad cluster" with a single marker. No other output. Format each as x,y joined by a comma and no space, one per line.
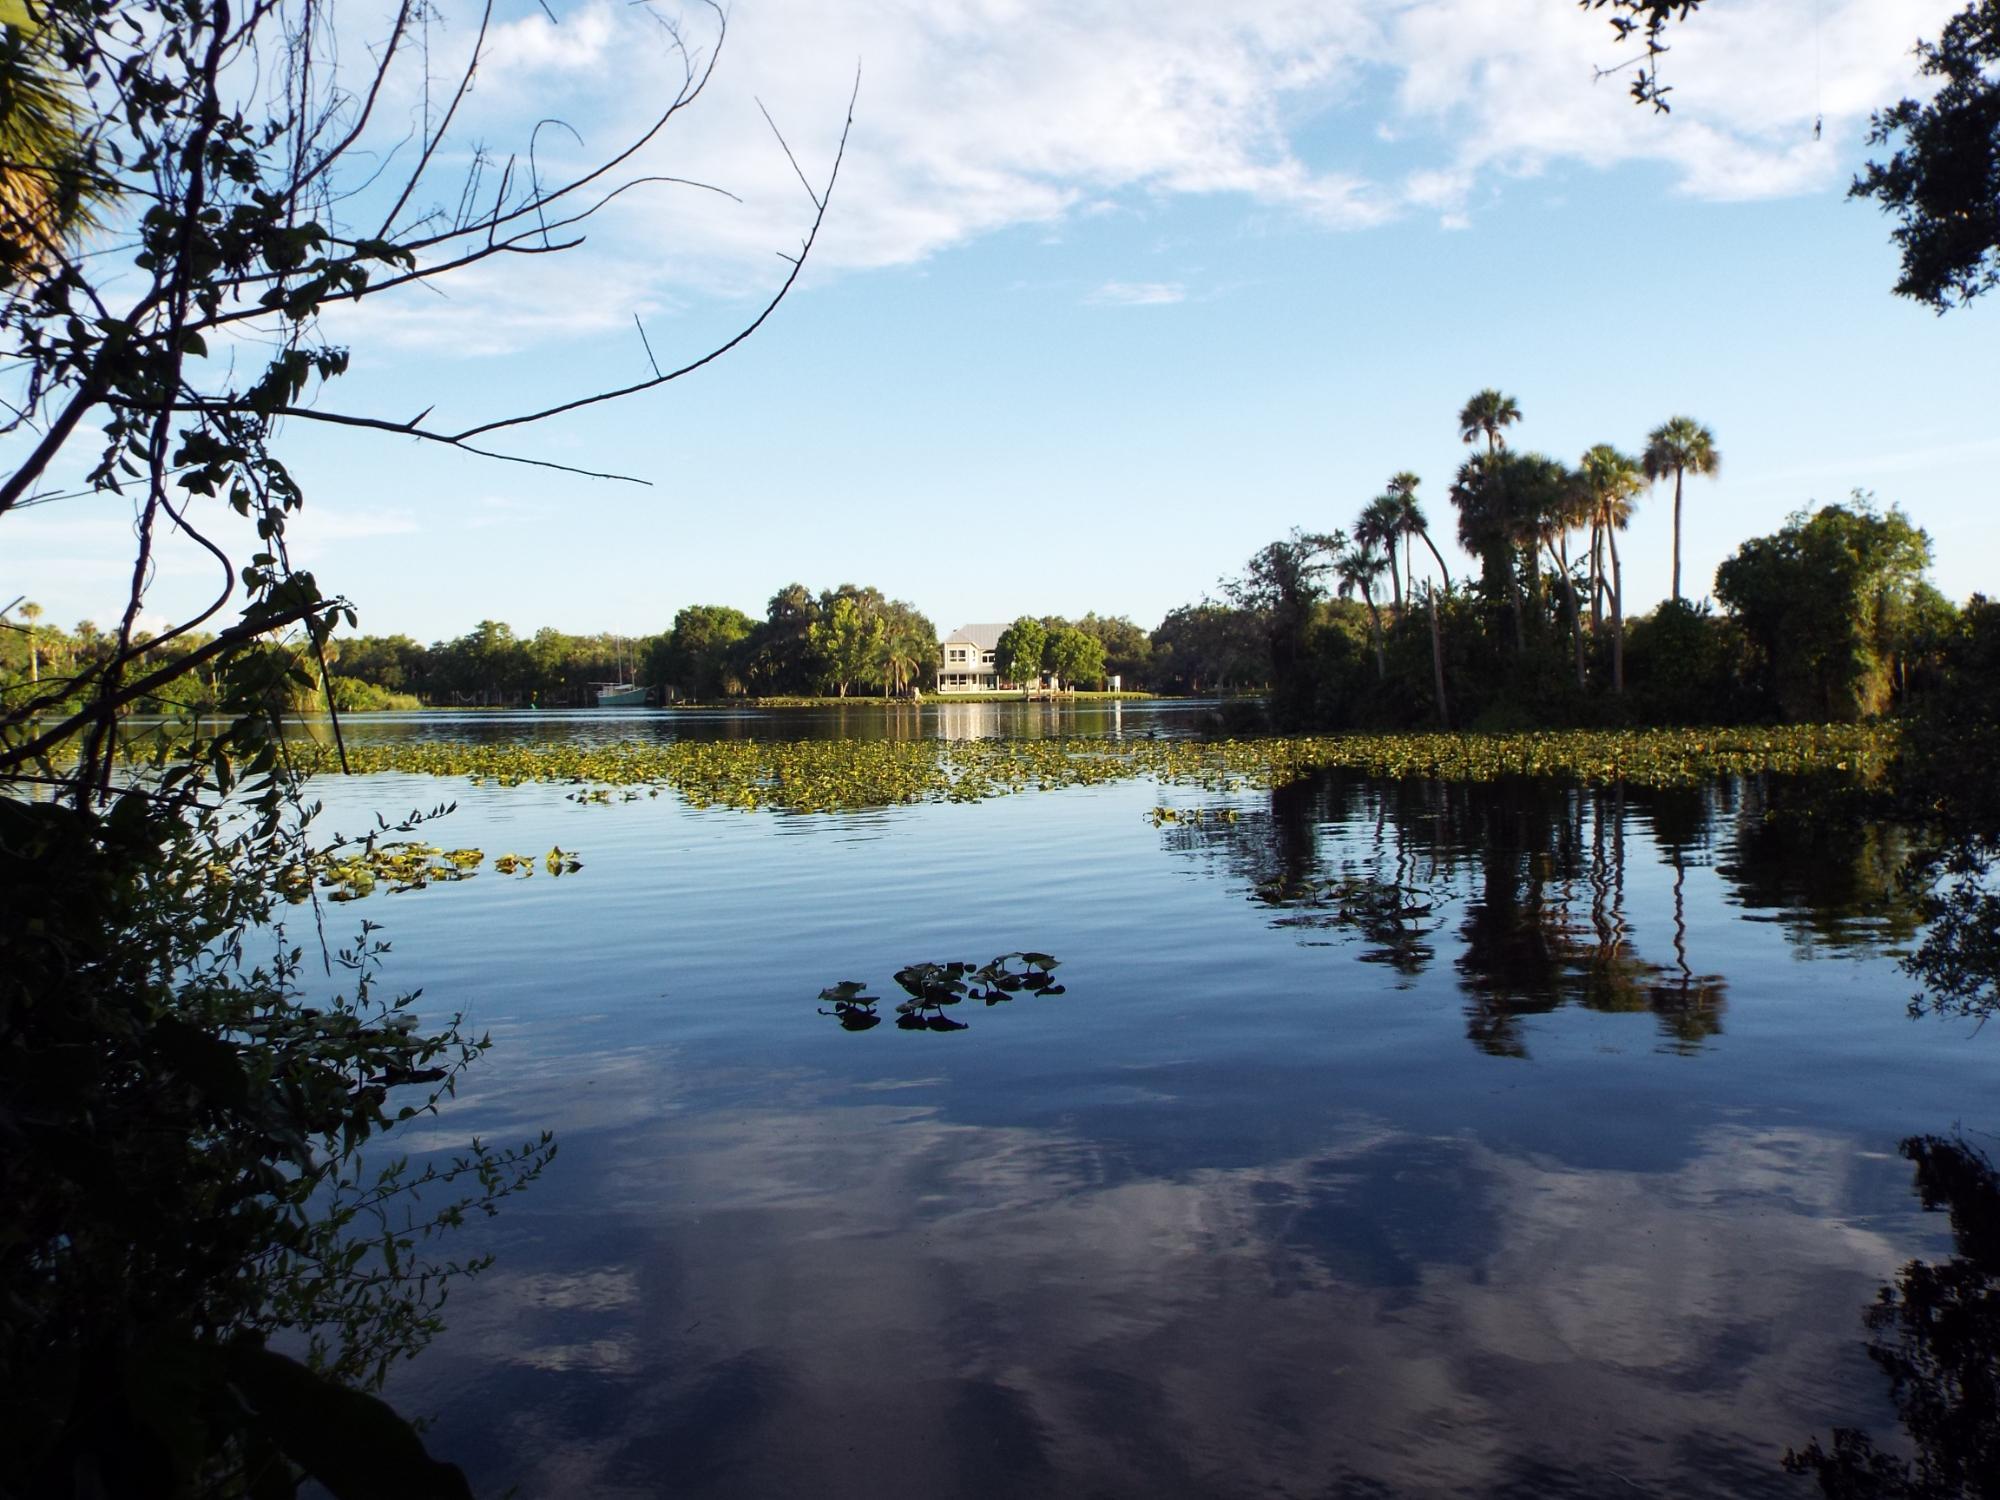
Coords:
932,988
829,775
1159,817
348,872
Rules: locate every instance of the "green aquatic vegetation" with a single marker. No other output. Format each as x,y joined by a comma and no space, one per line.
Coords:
402,865
1159,817
931,988
830,775
348,872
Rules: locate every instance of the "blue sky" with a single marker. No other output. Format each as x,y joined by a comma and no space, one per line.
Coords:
1112,294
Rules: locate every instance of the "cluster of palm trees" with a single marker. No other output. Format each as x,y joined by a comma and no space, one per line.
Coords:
1517,513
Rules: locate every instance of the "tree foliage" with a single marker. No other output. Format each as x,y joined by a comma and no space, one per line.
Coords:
1018,656
1828,619
1826,602
851,639
1941,179
695,658
1075,656
182,1104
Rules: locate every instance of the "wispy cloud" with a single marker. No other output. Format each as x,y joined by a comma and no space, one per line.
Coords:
1138,294
333,523
975,118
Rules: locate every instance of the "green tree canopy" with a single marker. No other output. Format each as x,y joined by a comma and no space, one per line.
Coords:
849,637
1128,650
1823,601
909,647
1075,656
1210,647
694,657
1942,178
1018,657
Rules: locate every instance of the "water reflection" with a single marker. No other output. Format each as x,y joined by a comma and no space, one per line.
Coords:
1806,857
1539,875
1937,1339
873,1298
1250,1218
870,719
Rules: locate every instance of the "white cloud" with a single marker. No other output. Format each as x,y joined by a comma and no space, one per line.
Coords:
1507,87
976,116
1138,293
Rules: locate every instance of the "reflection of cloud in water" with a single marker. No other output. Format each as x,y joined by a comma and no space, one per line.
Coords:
526,1081
871,1300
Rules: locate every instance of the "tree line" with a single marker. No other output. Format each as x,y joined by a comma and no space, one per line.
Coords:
839,642
1829,618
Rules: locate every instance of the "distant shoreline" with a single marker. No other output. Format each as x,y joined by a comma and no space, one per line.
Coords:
929,699
870,701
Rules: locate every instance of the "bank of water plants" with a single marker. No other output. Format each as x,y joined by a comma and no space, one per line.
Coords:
828,775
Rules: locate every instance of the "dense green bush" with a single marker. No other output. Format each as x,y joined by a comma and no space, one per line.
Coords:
184,1118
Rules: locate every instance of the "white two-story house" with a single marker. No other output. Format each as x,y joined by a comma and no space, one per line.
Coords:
965,660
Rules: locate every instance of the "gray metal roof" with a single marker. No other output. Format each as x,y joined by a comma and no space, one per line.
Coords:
985,637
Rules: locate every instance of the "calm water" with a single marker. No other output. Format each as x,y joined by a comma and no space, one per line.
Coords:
1389,1139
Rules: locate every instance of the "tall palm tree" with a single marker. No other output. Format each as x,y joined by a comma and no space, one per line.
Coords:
1403,487
1679,446
1380,525
1612,481
1357,569
1486,414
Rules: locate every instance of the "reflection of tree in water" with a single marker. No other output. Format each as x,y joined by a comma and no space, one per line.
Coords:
1548,925
1377,881
1823,862
1539,870
1937,1338
1958,962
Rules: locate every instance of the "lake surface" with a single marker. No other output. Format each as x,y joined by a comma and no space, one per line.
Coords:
1388,1138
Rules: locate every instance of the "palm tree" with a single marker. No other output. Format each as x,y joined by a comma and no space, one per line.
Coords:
48,183
1483,530
1486,413
1612,482
1412,521
1536,495
1567,509
1680,445
1358,568
32,612
1380,524
908,647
